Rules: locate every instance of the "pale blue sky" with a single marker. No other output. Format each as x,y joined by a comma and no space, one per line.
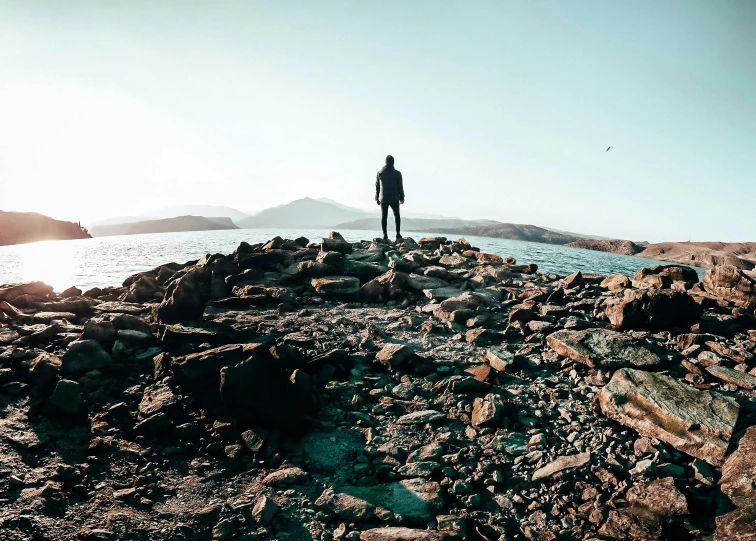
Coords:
498,110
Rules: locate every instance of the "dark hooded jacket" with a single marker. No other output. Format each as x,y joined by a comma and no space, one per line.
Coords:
388,185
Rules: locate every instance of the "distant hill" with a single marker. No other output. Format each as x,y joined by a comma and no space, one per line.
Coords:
704,254
303,213
500,230
168,225
21,227
615,246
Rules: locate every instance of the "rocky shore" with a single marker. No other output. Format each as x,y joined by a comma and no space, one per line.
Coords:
342,391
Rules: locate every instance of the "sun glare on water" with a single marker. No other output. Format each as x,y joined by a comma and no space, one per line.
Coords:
51,262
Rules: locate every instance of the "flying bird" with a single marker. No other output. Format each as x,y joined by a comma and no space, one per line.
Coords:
607,149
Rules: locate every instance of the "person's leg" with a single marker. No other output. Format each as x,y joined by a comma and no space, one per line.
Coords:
384,218
397,218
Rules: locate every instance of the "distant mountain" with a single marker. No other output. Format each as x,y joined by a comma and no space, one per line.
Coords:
168,225
303,213
414,224
208,211
21,227
479,228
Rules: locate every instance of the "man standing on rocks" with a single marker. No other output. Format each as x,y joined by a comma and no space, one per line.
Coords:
389,192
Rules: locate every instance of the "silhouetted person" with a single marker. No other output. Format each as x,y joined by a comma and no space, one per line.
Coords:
389,192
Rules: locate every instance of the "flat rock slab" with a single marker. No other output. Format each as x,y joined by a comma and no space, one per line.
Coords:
741,379
562,463
8,335
739,471
400,534
417,499
420,417
602,348
699,423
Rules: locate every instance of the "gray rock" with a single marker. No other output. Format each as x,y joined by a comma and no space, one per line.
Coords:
740,379
602,348
699,423
85,355
65,399
420,417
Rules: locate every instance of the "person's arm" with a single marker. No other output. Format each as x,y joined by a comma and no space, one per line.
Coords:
401,188
377,187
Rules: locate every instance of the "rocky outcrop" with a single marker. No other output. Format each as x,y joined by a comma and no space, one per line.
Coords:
732,285
365,390
699,423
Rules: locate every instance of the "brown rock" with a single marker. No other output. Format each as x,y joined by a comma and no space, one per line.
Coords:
615,282
731,284
660,497
574,280
487,410
739,471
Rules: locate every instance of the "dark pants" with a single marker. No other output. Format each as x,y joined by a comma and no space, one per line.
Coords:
384,216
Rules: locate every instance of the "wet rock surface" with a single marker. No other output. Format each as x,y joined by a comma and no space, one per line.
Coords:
419,391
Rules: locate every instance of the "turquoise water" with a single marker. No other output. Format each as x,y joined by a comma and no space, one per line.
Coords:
107,261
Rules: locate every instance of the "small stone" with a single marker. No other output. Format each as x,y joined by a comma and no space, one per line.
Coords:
264,510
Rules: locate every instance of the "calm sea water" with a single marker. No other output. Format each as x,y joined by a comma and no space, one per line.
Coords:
107,261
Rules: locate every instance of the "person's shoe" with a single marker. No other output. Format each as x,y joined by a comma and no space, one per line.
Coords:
399,238
385,238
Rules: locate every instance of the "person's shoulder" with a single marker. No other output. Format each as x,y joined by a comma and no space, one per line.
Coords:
398,172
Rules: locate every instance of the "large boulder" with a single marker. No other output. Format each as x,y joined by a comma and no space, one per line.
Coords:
731,284
336,286
653,308
85,355
699,423
662,276
143,289
602,348
185,297
202,369
12,291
